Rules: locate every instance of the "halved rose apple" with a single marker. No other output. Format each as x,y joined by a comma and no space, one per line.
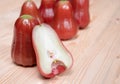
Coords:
52,57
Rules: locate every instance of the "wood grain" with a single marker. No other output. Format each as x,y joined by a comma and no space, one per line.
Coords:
96,49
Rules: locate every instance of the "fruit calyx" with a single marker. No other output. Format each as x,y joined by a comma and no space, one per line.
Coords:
57,67
29,0
26,16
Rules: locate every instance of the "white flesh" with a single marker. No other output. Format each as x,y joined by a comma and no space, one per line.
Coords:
45,39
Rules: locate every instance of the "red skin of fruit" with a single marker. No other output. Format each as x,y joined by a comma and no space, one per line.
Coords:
46,10
81,12
22,49
64,23
29,7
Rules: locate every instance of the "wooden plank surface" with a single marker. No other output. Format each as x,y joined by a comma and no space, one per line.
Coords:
96,49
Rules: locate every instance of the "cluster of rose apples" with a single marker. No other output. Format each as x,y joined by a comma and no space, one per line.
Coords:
38,34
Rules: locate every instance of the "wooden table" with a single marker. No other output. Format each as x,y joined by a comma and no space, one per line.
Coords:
96,50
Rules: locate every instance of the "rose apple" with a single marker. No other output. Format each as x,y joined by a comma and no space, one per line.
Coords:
81,12
64,22
29,7
46,10
22,49
52,56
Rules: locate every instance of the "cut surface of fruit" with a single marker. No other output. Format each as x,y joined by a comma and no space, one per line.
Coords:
52,57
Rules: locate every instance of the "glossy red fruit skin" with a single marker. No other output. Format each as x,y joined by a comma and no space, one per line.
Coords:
29,7
81,12
64,23
46,10
22,49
